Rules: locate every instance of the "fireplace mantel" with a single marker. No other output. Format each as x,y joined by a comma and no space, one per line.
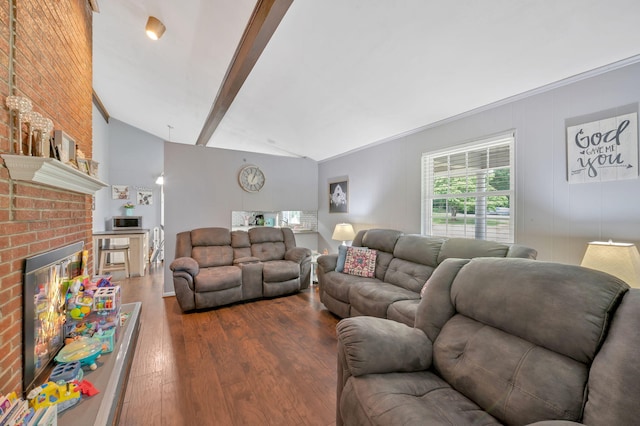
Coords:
49,171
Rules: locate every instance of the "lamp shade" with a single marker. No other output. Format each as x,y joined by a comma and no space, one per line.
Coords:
155,28
343,232
621,260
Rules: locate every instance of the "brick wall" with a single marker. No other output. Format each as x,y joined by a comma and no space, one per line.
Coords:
52,67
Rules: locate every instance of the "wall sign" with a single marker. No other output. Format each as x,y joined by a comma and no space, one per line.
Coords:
603,150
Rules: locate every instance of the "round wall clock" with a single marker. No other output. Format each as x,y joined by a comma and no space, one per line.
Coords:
251,178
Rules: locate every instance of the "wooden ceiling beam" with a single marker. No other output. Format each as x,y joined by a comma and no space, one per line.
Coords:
264,21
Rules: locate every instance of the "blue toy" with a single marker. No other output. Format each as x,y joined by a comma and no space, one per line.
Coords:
86,350
66,372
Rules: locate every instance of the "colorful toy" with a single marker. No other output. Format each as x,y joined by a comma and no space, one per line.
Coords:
87,388
66,372
106,299
62,396
107,338
86,350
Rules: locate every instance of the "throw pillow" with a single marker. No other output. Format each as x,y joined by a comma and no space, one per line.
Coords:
342,255
360,262
424,288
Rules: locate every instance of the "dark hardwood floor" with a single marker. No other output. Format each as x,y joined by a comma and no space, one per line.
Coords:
268,362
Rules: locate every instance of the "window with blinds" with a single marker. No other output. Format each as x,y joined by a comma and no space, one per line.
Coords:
468,191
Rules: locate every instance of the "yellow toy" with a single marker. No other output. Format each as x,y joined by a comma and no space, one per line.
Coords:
63,395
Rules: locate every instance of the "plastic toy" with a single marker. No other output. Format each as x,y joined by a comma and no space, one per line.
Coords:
87,388
66,372
85,350
106,299
62,395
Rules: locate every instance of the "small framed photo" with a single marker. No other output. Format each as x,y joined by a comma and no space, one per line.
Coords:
53,150
339,196
65,146
145,197
93,168
83,165
119,192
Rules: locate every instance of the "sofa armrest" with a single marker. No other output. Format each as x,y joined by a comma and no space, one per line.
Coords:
328,262
374,345
297,254
245,260
186,264
516,250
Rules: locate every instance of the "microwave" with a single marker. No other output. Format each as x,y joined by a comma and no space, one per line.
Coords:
121,223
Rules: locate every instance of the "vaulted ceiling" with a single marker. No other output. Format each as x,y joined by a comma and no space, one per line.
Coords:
338,75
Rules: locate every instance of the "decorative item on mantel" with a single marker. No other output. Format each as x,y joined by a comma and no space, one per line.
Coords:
40,127
128,209
18,107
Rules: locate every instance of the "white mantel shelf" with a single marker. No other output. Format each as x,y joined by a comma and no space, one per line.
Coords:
49,171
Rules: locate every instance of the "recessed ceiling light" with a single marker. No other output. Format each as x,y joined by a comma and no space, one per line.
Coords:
155,28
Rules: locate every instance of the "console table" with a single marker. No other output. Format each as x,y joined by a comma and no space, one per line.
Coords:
138,248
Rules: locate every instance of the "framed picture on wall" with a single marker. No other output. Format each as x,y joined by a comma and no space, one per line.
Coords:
93,168
119,192
145,197
339,196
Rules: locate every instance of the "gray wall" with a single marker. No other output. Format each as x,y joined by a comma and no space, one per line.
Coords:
137,159
552,216
100,153
201,189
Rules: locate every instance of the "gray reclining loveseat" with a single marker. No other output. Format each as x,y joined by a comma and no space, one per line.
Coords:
498,341
215,266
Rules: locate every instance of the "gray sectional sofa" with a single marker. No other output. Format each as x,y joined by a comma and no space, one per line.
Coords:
498,341
215,266
403,265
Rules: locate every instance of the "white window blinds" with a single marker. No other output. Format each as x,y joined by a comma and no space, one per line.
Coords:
468,191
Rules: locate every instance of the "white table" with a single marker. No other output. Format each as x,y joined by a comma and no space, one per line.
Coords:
138,248
314,267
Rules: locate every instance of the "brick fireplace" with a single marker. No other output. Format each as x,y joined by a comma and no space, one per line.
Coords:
48,59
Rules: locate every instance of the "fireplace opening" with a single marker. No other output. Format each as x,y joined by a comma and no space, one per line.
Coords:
46,277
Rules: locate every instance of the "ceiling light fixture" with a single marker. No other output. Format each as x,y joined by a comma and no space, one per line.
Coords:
155,28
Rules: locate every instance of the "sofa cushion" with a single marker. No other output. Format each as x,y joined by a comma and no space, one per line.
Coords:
418,249
280,270
241,244
420,398
614,374
467,248
210,237
268,251
211,247
380,239
339,284
209,256
403,311
360,262
408,275
516,381
375,298
218,278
